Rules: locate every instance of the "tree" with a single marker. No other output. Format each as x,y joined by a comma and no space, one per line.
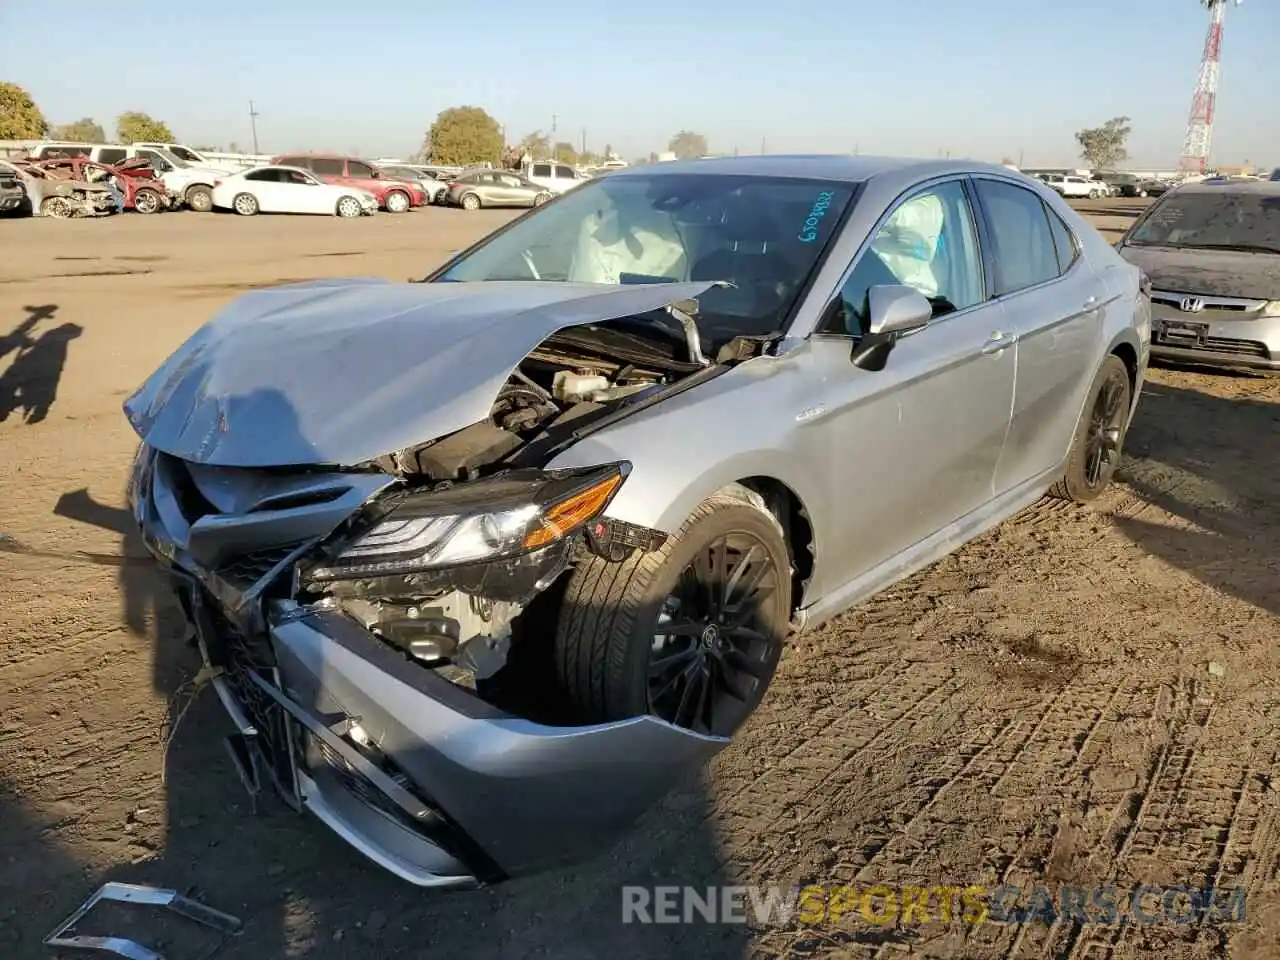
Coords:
84,130
133,126
1106,146
20,118
687,145
565,153
537,145
463,135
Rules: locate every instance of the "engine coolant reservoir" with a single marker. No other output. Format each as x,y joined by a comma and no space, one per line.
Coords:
569,386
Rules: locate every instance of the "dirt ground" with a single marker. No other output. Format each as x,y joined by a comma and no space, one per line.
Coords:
1084,696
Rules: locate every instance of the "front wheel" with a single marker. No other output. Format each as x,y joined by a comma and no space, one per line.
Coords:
541,198
199,198
397,202
690,633
146,201
245,204
1142,193
59,208
471,202
349,207
1099,438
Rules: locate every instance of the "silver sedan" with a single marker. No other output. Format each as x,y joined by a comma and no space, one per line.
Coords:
488,562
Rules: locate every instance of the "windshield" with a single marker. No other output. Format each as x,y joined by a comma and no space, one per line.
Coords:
1203,220
184,154
168,155
763,234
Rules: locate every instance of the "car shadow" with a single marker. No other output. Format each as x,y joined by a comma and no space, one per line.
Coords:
1209,462
30,383
302,892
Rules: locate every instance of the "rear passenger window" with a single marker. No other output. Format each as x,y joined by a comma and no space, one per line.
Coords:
1022,242
541,170
1064,240
111,154
564,173
326,167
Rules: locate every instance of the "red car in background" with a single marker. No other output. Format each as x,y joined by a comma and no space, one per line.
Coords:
394,195
143,191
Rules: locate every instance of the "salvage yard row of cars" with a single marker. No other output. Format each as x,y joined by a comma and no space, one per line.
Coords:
64,180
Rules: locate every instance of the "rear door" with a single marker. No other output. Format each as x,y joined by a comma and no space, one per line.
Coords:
1052,302
360,175
328,169
265,185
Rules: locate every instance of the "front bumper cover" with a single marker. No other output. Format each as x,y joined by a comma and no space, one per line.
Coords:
422,776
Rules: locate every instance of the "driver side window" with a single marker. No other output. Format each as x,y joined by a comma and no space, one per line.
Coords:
929,243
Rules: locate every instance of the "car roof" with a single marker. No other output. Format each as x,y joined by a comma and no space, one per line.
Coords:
839,167
1262,188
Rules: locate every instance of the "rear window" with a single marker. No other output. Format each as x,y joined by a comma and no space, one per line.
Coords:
112,154
1226,220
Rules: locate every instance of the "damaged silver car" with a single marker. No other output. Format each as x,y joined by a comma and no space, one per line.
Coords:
486,563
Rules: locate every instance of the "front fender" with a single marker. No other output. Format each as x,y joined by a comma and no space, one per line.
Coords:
741,424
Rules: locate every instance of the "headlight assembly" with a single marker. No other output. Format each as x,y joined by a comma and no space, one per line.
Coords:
473,522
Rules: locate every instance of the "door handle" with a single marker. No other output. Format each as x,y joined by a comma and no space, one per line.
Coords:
1091,303
998,341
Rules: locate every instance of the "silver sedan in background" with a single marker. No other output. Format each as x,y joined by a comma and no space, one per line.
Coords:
484,564
495,188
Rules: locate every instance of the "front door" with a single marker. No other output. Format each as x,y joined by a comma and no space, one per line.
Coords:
914,447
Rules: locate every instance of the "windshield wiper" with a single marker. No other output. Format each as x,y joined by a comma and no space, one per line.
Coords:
1242,247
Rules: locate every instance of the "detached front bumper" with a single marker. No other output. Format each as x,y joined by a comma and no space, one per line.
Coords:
424,778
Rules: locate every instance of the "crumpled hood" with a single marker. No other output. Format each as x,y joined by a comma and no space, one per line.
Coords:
343,371
1225,273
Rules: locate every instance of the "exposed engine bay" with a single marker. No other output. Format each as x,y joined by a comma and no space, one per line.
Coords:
464,620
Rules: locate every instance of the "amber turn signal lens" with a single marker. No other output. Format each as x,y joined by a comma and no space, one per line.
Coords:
568,515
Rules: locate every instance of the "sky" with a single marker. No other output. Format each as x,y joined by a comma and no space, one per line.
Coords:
988,79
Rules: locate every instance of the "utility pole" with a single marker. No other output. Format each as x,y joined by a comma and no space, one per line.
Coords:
1020,156
253,123
583,151
553,137
764,145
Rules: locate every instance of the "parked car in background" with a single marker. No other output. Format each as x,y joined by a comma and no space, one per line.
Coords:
1070,186
1104,189
193,156
1275,174
13,195
393,194
58,197
433,187
495,188
556,177
518,547
142,191
1212,252
194,184
281,189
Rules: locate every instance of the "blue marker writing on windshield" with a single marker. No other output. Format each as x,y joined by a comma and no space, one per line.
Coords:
809,229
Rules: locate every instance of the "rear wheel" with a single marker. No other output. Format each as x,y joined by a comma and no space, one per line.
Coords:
245,204
690,633
199,198
146,201
541,198
470,202
349,207
1099,440
397,201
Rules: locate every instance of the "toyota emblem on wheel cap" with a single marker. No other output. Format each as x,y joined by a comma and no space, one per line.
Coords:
1191,305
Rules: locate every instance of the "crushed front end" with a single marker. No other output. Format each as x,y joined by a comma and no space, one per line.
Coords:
376,631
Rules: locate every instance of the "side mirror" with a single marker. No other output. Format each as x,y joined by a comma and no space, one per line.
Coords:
892,311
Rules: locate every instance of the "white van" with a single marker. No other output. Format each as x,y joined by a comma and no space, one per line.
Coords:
192,183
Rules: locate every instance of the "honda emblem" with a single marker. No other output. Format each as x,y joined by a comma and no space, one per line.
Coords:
1191,305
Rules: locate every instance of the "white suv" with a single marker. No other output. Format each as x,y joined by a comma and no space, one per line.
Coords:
556,177
1072,186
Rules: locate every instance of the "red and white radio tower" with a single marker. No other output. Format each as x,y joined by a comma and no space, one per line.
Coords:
1199,140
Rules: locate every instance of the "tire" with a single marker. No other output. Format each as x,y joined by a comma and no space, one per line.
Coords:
59,208
245,204
147,201
1099,434
542,198
397,201
608,627
470,201
1093,194
348,207
199,198
1142,193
